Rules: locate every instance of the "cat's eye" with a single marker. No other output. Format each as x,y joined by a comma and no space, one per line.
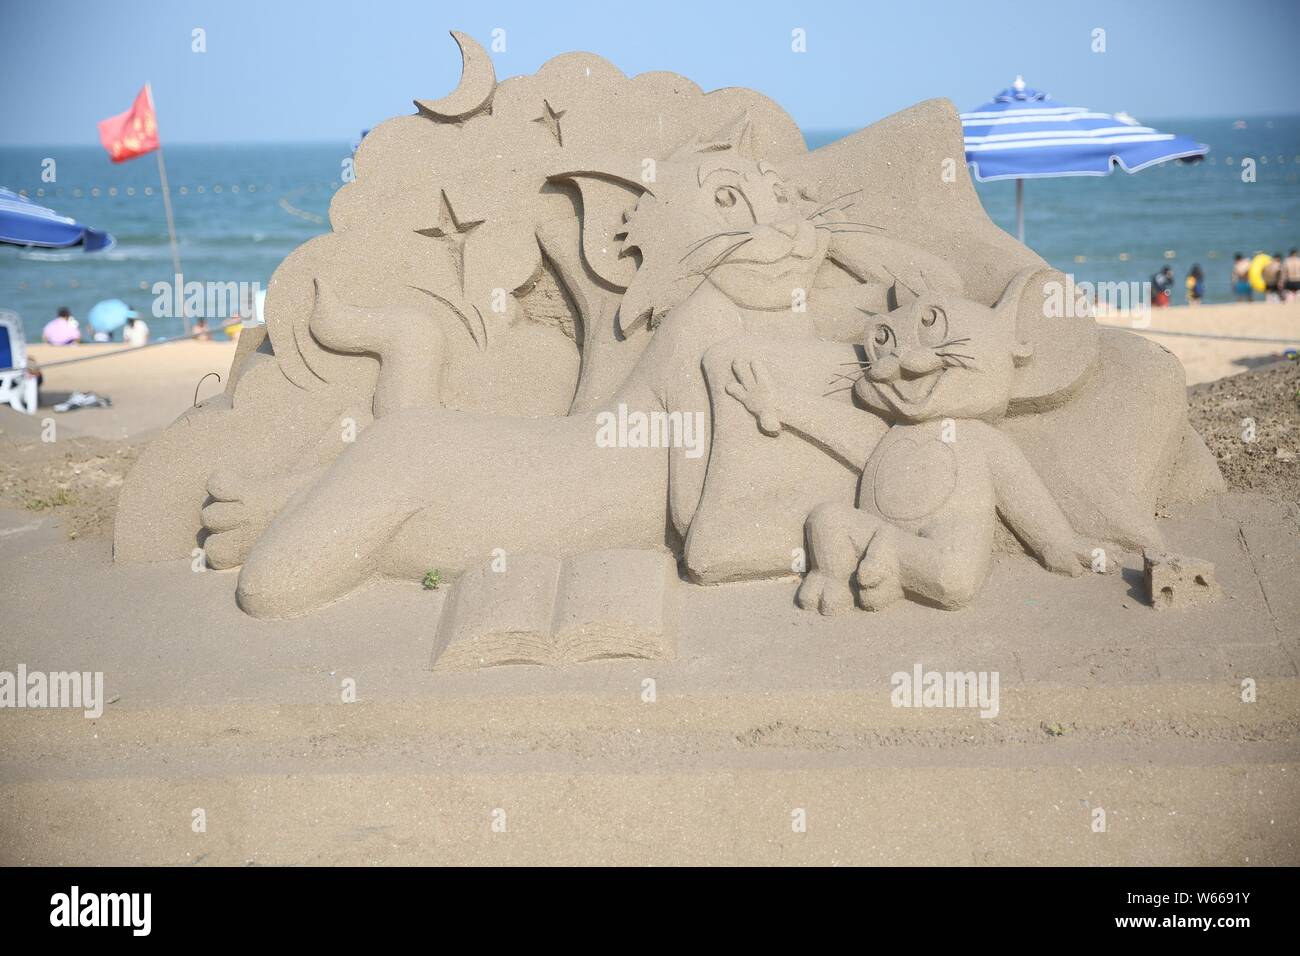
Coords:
930,316
725,197
883,335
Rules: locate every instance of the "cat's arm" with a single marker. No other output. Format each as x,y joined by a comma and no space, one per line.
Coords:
1028,508
843,429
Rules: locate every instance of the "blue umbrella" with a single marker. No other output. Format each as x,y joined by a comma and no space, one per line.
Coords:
23,223
1022,134
109,315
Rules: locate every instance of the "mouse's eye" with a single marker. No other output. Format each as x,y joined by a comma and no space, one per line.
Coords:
934,325
725,197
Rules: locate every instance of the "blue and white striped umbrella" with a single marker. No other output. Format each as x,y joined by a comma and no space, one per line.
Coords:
24,223
1022,134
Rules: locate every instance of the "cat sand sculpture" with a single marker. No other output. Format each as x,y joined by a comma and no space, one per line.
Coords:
519,257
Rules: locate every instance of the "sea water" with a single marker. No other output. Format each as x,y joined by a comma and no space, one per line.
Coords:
240,209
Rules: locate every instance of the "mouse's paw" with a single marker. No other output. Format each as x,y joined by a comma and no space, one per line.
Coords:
878,576
823,593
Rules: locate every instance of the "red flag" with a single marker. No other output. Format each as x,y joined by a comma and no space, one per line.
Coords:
133,133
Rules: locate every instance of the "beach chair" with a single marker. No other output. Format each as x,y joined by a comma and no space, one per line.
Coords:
17,387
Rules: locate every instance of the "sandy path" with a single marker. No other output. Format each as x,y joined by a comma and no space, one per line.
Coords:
765,712
149,388
1207,359
1182,774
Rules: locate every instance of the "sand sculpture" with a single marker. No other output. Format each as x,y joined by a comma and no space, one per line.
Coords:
577,312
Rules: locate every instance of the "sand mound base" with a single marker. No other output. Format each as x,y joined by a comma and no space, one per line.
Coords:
766,711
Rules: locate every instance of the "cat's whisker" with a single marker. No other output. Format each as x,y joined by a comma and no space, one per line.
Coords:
724,256
840,224
847,227
698,244
826,206
719,259
850,222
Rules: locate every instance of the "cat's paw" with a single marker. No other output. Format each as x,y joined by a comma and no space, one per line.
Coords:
1065,558
821,592
240,510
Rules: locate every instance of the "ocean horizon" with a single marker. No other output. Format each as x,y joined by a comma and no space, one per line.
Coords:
242,207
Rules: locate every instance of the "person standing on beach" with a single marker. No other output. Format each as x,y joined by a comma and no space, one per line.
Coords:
1272,276
136,332
1240,278
1162,284
1290,276
1195,285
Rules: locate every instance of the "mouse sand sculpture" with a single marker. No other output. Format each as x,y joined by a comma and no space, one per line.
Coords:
533,287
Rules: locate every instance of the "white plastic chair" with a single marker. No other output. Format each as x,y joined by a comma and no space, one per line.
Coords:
17,386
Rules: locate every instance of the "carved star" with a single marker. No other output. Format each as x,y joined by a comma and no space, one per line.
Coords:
453,232
551,120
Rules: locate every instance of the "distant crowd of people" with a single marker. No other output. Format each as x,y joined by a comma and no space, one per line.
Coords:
64,329
1275,277
1278,278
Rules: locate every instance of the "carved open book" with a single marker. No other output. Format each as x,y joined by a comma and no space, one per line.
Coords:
546,610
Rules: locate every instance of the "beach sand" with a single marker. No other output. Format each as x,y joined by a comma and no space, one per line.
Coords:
149,388
767,715
1207,359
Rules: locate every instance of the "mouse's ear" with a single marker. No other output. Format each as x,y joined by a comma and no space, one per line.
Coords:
1057,344
905,290
1008,304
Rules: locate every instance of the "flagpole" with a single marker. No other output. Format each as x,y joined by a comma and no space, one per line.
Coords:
171,222
1019,207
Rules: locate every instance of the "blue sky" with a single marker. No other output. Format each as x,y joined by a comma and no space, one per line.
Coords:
285,71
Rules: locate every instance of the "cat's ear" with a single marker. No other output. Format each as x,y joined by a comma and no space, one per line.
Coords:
942,279
609,194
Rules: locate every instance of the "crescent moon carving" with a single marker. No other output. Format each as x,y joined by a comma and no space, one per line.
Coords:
478,81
